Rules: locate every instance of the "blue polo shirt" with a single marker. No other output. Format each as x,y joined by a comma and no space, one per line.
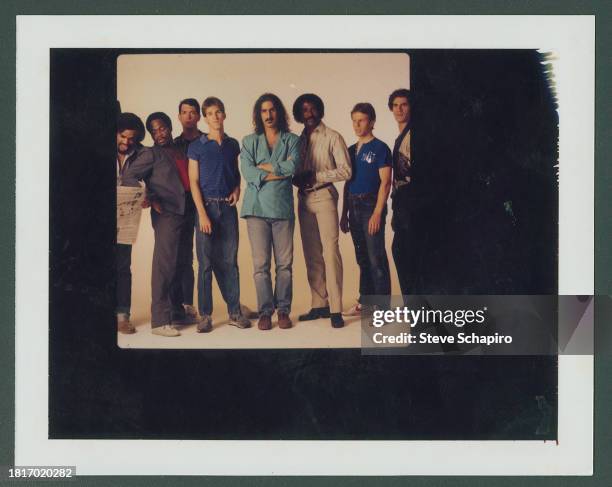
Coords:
371,157
219,173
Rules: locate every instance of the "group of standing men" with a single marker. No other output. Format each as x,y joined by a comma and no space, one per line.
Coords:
193,183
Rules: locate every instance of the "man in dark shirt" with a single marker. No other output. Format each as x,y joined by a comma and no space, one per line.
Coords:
189,116
407,245
130,132
164,170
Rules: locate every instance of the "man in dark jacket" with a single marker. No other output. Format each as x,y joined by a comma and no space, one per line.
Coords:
163,168
188,116
407,243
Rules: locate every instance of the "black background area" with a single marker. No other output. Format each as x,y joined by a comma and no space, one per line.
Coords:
487,133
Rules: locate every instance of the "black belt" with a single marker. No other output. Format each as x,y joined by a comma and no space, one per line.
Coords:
312,190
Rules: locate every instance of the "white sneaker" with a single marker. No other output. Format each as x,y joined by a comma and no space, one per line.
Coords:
354,311
165,331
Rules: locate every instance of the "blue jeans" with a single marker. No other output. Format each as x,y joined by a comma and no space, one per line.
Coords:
267,235
374,276
218,253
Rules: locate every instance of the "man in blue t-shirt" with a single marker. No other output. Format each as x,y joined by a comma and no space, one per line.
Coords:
364,207
215,186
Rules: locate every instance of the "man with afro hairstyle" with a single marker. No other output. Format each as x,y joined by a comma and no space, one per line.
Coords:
325,160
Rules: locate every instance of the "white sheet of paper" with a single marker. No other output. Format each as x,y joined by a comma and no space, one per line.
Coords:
129,209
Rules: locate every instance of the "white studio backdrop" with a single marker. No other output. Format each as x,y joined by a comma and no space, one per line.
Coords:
147,83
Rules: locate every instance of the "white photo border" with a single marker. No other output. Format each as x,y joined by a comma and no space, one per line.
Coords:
572,38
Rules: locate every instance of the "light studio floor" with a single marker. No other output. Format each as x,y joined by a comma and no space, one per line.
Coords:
309,334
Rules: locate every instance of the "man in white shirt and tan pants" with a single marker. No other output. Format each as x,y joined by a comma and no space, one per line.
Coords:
325,160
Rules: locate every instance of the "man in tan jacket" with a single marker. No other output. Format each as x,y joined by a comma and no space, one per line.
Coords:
325,160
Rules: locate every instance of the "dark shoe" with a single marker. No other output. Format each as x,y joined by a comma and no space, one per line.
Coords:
284,321
205,324
183,319
239,321
315,314
125,327
264,323
336,320
191,312
248,312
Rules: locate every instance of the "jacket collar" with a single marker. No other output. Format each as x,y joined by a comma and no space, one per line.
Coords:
318,129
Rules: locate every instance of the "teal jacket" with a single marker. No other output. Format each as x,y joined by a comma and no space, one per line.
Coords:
269,199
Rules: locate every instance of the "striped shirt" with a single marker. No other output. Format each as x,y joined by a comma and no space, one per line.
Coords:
325,154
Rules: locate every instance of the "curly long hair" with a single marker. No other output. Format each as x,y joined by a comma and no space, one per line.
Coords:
130,121
281,113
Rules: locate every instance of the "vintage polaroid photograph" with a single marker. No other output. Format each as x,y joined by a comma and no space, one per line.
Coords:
232,217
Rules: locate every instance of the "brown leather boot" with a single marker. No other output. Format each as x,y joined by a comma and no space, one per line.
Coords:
284,321
264,323
125,327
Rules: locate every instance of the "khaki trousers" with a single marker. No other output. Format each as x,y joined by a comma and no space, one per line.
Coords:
318,216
